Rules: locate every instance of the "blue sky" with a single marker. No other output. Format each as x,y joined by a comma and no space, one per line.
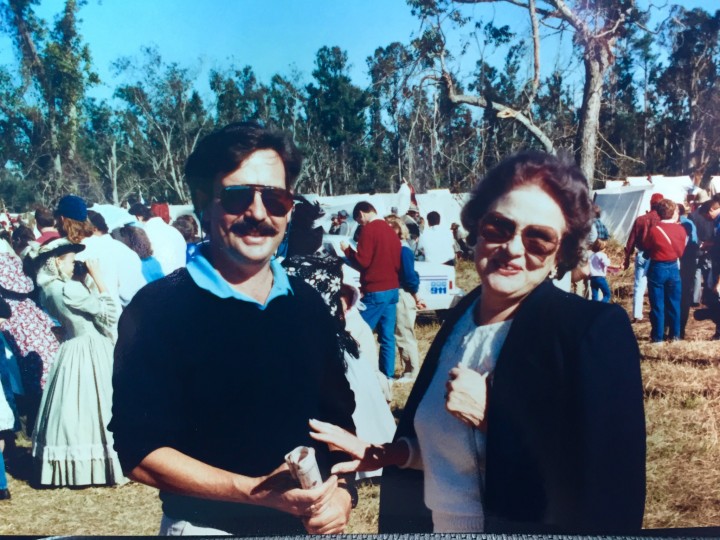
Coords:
273,36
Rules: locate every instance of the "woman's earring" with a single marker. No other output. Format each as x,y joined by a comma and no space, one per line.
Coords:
553,273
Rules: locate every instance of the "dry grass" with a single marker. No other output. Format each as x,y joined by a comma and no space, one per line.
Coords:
682,409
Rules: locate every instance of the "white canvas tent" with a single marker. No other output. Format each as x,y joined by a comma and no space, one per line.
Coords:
620,207
621,202
447,204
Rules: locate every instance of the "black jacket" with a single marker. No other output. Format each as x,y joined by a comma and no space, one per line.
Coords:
566,427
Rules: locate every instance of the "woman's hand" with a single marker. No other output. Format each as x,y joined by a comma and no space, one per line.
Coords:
93,266
365,456
466,397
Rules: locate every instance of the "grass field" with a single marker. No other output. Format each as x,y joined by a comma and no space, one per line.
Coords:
682,407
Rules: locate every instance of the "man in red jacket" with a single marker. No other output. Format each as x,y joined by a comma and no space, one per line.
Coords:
378,260
639,232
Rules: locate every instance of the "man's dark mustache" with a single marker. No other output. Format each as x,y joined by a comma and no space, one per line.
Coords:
261,228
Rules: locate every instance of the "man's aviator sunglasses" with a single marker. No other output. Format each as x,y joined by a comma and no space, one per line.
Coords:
538,240
237,199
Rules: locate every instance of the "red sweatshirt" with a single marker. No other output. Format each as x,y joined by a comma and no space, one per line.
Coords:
377,257
664,249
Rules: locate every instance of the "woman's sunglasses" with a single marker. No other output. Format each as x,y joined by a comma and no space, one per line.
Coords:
538,240
237,199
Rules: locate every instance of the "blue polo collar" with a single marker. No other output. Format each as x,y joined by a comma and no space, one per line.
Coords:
207,277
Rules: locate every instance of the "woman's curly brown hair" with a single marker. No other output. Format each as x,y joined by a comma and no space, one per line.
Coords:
76,231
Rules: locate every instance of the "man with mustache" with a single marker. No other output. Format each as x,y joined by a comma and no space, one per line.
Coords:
219,367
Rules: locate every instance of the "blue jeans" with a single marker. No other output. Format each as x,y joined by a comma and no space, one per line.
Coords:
664,290
3,476
379,313
600,284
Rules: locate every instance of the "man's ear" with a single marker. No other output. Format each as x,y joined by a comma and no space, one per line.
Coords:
201,202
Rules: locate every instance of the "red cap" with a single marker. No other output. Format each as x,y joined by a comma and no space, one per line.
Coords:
656,198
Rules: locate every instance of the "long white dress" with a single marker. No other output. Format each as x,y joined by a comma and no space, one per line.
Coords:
373,419
71,443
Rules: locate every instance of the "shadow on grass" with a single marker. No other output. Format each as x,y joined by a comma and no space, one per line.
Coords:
19,464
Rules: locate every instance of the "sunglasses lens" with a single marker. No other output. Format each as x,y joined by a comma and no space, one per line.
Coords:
537,239
496,229
278,202
237,199
541,241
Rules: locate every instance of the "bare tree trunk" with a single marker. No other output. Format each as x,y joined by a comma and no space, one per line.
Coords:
596,63
113,170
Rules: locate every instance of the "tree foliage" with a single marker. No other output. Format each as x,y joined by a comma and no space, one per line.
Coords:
644,102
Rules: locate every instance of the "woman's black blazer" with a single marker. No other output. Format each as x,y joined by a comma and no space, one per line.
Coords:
566,427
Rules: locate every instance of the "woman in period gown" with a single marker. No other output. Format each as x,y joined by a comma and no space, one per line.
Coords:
71,443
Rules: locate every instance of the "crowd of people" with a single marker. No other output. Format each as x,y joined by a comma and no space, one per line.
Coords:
195,366
677,261
64,281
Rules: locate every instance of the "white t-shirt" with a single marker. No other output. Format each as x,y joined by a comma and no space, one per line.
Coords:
167,243
120,266
438,244
599,263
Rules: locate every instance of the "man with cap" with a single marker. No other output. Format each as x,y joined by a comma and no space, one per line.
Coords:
344,226
334,225
412,221
636,243
220,366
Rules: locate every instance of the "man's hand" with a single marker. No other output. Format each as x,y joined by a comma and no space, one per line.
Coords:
332,516
466,397
280,490
344,246
420,303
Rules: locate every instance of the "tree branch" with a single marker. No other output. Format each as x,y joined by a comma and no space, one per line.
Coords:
543,12
503,111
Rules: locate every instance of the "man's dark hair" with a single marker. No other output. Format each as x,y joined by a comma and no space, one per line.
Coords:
139,209
433,218
135,238
560,179
98,221
44,217
21,237
223,151
363,206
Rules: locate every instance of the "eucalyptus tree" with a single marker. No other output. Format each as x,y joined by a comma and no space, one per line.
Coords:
336,115
596,26
162,117
689,88
54,76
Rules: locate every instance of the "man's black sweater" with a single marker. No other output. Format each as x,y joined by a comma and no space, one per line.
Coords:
228,384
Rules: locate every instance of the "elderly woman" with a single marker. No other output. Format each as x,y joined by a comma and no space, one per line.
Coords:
527,414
